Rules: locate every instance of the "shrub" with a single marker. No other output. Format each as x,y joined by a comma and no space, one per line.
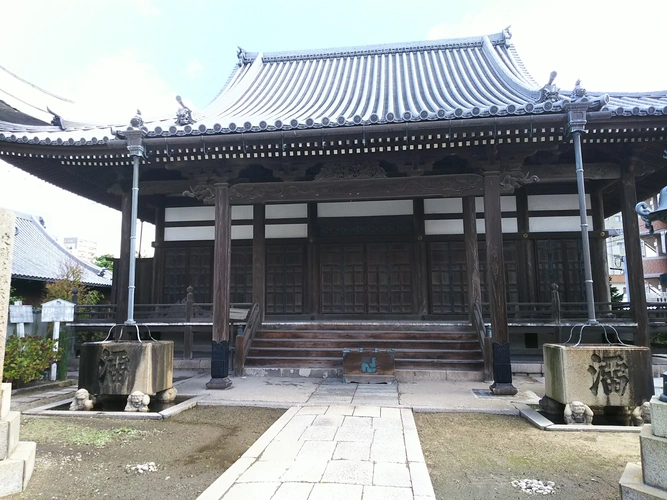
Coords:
27,358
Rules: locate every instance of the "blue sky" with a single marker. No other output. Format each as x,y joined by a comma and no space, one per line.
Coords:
112,57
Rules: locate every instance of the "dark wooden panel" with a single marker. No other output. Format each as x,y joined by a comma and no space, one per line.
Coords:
342,279
559,261
241,285
389,278
448,277
285,271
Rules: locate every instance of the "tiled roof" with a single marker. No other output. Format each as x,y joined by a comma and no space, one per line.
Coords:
38,256
453,79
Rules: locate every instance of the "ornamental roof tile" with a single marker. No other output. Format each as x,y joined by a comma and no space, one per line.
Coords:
38,256
454,79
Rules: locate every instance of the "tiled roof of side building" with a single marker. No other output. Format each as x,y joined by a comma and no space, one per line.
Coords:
453,79
38,256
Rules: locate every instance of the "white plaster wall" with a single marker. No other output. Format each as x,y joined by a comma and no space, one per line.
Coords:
189,233
557,224
286,231
556,202
365,208
289,211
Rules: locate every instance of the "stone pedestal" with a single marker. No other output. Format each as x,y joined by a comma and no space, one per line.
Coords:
17,458
121,368
599,375
649,480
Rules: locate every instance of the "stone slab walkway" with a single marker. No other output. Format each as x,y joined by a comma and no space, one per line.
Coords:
332,452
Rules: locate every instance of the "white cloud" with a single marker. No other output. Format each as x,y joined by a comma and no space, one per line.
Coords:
608,48
194,69
115,86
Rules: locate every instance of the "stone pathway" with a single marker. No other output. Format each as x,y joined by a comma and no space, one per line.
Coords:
21,401
335,391
345,452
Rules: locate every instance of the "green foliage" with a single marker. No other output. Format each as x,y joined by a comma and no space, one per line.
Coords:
70,277
616,295
14,298
105,261
27,358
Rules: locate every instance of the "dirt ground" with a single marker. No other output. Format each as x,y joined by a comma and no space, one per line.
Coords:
81,458
474,456
469,456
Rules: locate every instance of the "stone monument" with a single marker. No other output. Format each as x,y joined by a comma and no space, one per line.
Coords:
17,458
648,481
603,377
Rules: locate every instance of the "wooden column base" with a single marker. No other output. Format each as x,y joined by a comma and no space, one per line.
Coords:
219,366
502,371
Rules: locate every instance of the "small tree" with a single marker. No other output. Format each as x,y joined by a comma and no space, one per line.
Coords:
71,276
105,261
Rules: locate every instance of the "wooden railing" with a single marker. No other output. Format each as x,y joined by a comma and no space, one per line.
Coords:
244,340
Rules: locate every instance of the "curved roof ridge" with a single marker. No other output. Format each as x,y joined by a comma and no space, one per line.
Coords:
376,49
36,87
41,268
519,85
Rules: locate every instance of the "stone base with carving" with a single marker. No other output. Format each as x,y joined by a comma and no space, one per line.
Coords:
120,368
598,375
17,458
137,401
166,396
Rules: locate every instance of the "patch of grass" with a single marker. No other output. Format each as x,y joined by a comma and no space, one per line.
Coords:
49,431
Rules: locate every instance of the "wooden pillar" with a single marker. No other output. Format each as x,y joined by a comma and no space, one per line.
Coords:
313,270
421,260
600,268
472,255
526,251
157,292
502,367
259,257
221,275
494,257
121,275
633,254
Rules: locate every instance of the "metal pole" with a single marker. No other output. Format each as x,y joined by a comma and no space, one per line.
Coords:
133,240
581,190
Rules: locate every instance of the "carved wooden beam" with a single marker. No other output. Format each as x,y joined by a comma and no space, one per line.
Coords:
359,189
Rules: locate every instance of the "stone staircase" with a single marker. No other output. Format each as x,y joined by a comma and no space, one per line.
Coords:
418,346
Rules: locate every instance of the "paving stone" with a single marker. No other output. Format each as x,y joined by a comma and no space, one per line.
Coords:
314,410
293,491
386,449
349,472
352,450
305,471
413,447
341,410
316,450
281,450
328,491
389,474
367,411
388,423
351,421
390,413
319,433
359,434
262,471
256,491
387,493
330,420
421,481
